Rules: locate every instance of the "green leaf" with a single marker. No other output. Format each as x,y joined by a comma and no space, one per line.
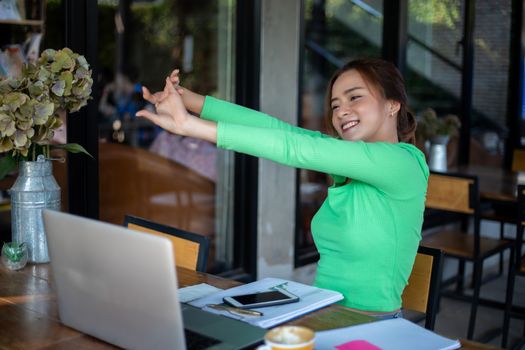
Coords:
7,126
67,77
62,61
7,164
20,138
43,111
73,148
6,144
14,100
82,61
43,74
36,89
59,87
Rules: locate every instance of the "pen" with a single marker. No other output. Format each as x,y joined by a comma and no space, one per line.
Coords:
235,309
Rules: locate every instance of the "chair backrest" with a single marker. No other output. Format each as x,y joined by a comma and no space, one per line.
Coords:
191,248
518,160
422,291
454,193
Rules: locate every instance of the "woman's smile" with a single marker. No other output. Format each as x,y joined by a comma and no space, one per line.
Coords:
349,125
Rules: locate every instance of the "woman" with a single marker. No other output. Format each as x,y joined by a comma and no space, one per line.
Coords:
368,229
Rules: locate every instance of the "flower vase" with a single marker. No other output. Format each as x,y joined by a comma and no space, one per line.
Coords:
438,153
34,189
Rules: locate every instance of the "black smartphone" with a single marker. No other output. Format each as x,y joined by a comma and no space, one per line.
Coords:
255,300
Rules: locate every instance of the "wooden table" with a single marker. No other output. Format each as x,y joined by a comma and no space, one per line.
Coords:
29,314
494,183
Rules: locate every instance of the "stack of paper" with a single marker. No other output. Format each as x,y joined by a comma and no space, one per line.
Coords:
394,334
310,298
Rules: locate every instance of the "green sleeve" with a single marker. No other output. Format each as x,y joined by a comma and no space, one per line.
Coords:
390,167
222,111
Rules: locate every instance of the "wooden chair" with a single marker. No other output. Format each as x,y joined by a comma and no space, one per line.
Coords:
504,212
518,271
518,159
190,249
460,194
422,291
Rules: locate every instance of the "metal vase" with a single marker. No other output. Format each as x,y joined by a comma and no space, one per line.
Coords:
34,189
438,153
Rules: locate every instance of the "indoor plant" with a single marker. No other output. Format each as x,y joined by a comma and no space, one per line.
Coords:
14,255
30,105
30,108
435,132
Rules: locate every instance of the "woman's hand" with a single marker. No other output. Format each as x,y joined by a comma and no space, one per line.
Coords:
156,97
172,116
170,111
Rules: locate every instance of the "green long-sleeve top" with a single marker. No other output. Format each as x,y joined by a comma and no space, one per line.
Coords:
367,230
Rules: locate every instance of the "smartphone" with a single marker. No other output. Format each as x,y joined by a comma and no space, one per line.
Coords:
255,300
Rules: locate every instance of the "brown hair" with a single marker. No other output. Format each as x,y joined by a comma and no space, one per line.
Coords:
388,80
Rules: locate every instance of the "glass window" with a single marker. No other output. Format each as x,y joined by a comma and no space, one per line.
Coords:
434,59
490,85
145,171
335,32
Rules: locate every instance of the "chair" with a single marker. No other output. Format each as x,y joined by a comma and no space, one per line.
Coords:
422,291
518,271
504,212
518,159
191,249
459,194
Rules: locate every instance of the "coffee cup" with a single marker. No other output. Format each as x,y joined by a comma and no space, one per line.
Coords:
289,338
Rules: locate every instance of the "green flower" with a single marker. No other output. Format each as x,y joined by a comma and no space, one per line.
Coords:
59,80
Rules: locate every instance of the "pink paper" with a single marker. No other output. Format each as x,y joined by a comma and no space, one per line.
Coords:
357,345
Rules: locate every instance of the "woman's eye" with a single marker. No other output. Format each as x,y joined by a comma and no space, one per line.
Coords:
334,108
353,98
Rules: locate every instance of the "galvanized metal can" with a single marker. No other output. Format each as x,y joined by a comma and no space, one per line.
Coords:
34,189
438,157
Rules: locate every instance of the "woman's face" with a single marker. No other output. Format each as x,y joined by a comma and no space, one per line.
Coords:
360,113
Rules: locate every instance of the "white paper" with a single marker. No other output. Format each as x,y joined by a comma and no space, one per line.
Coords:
394,334
197,291
310,298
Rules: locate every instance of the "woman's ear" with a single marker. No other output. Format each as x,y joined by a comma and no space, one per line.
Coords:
394,107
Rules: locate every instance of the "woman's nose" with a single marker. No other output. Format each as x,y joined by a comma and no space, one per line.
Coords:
343,111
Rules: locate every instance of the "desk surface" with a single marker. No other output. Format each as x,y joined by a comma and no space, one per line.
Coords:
29,315
494,183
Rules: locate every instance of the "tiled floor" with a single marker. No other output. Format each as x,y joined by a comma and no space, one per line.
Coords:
452,319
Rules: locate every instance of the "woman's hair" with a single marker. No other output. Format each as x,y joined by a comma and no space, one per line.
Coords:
387,79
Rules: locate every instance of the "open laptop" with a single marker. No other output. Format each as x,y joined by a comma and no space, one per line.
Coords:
121,287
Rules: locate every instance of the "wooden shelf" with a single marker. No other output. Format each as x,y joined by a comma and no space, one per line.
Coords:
22,22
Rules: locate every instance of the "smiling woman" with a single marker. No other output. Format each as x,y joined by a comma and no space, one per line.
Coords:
380,178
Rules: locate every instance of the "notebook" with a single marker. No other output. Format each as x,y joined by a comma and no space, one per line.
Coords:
120,286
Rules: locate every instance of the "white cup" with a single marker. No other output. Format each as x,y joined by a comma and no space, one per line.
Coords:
289,338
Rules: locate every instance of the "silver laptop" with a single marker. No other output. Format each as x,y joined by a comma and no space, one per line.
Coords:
121,287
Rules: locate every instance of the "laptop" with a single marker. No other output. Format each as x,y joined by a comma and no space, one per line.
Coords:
121,287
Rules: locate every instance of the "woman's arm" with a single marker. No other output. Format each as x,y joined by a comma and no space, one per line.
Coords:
217,110
396,169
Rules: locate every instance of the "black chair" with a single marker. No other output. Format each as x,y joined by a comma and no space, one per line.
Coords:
517,272
421,295
459,194
503,211
190,249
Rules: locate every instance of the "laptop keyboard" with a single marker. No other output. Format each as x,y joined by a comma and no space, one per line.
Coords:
196,341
